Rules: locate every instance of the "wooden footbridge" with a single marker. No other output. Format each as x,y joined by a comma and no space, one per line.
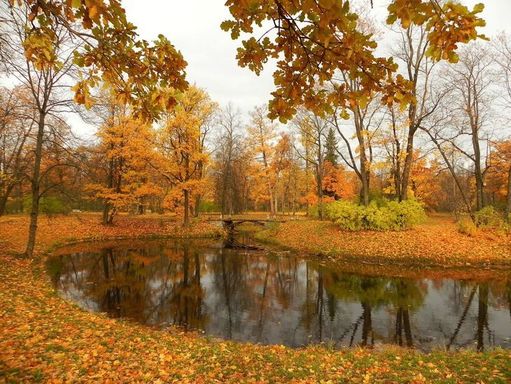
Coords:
230,223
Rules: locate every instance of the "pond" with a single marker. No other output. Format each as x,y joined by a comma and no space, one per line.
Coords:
280,298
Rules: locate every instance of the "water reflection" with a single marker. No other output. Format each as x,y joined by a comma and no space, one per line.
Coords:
279,299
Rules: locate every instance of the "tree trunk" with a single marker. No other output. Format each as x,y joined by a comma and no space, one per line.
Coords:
364,171
407,167
107,218
479,176
197,205
480,201
508,205
3,204
34,211
272,202
3,199
186,220
319,182
364,190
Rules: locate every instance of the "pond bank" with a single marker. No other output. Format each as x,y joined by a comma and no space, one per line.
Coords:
436,243
46,339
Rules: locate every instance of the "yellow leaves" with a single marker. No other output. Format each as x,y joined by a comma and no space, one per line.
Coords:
333,43
39,48
71,345
478,8
134,67
82,94
329,41
94,13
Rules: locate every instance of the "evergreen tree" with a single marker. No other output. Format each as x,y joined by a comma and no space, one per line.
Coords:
331,147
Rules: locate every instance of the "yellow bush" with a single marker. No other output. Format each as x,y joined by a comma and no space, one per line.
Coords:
467,226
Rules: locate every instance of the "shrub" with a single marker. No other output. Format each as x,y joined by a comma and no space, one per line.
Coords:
408,213
346,214
49,205
208,207
313,210
466,226
380,217
488,217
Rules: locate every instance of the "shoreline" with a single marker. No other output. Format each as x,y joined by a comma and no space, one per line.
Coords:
323,240
45,338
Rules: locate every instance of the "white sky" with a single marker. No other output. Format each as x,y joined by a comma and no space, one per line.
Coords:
193,26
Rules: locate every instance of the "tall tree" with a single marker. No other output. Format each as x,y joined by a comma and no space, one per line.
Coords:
262,133
418,70
16,126
126,148
470,81
181,141
42,43
232,163
367,119
331,147
312,130
44,81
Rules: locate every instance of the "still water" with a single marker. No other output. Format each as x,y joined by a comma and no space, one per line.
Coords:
278,298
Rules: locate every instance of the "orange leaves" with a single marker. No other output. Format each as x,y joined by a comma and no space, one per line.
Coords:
82,94
44,338
181,154
500,170
435,243
447,25
127,149
312,40
337,183
110,52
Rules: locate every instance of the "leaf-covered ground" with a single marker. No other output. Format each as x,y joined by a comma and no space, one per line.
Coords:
435,243
46,339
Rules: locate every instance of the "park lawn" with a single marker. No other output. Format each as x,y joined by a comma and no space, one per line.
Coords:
43,338
436,243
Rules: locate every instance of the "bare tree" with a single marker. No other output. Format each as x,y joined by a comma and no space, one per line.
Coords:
48,86
313,130
470,83
230,169
418,70
16,125
359,156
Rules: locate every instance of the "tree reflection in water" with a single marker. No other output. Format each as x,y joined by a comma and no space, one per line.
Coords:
253,296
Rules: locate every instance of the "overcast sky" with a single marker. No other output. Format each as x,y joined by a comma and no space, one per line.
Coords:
193,26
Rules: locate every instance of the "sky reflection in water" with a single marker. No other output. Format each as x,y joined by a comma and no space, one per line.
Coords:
280,299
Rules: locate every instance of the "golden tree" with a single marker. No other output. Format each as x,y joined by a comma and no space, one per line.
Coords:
181,141
499,178
127,149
